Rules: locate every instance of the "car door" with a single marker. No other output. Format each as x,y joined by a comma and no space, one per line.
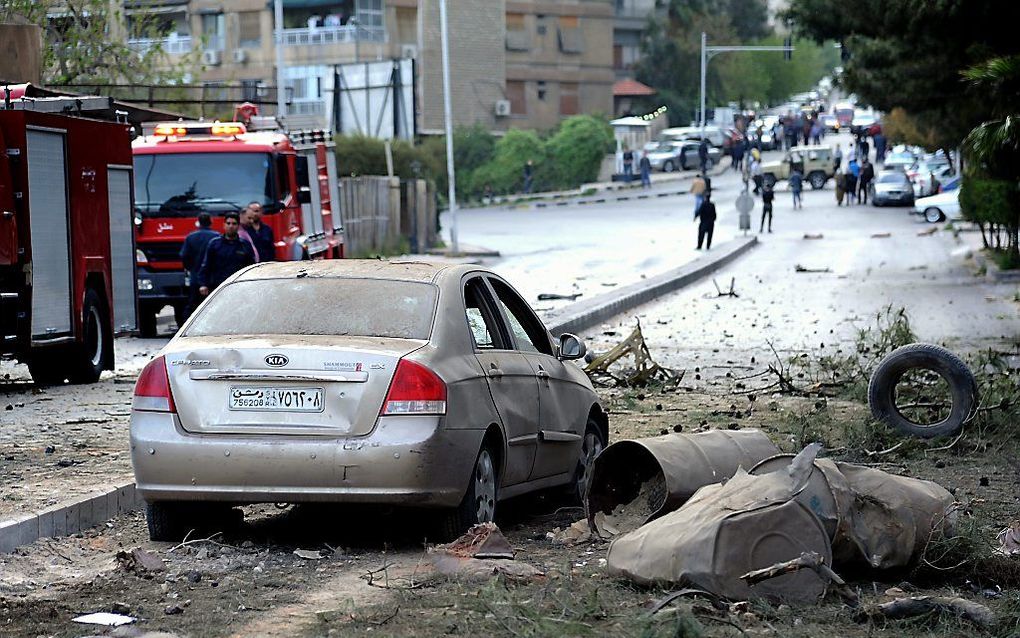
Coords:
511,380
563,402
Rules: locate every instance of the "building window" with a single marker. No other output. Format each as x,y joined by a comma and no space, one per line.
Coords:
250,29
250,90
518,99
541,90
212,31
370,13
568,99
518,38
569,35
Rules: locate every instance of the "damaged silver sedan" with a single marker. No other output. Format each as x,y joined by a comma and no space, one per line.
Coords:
400,383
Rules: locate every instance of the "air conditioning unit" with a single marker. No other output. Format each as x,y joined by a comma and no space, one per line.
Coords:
240,56
211,57
408,51
502,108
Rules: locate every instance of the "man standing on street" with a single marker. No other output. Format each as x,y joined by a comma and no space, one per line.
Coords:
867,174
706,212
837,158
756,174
767,195
628,165
224,256
261,235
703,155
698,188
645,165
529,169
796,185
191,255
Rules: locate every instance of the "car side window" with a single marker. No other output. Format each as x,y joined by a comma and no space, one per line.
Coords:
479,316
530,335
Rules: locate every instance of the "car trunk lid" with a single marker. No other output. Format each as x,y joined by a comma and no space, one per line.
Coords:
300,385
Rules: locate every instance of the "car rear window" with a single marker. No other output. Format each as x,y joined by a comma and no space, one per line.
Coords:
319,306
889,178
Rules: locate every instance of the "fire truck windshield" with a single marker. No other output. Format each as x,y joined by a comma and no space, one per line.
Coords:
184,184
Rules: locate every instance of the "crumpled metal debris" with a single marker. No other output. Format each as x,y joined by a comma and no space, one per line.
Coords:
635,481
1009,540
481,553
644,371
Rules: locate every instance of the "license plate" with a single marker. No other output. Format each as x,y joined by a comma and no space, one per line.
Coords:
276,399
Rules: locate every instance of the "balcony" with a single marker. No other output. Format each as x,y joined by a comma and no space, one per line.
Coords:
317,36
307,107
178,45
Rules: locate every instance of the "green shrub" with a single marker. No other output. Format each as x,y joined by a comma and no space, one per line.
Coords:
576,150
505,172
991,201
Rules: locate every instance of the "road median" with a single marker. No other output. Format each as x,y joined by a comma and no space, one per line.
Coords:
583,315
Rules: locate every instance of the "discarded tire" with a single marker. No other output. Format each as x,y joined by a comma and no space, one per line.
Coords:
922,356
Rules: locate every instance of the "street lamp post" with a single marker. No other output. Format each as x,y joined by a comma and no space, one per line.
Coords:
281,101
448,117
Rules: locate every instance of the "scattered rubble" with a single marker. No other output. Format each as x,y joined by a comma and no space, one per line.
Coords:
921,605
141,562
1009,540
645,370
479,554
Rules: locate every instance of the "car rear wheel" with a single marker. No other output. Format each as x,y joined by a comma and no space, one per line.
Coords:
933,215
591,446
667,166
170,522
479,503
817,180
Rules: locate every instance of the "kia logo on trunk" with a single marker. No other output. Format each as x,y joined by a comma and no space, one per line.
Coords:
276,360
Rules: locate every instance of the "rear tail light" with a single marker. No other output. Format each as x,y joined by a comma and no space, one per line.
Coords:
152,389
415,390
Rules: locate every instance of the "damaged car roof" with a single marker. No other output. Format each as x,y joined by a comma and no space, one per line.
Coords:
407,270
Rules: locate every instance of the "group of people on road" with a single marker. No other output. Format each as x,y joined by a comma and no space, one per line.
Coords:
209,257
854,183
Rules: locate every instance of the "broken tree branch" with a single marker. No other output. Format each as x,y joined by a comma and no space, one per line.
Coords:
920,605
808,560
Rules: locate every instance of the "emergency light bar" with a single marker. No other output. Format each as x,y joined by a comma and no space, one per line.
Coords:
187,129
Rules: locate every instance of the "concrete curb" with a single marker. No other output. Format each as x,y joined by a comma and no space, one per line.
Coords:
69,517
579,316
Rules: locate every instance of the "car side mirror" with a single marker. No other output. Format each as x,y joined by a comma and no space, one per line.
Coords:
304,195
571,347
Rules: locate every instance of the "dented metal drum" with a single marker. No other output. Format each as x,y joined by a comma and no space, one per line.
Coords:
657,475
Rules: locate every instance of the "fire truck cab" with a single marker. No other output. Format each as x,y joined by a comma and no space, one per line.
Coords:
183,169
67,278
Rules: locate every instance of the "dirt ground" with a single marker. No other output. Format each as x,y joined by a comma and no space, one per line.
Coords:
375,577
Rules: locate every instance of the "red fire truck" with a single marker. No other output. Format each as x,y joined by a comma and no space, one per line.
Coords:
185,168
67,278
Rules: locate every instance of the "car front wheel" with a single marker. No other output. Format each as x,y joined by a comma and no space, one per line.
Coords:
667,167
591,446
933,215
817,180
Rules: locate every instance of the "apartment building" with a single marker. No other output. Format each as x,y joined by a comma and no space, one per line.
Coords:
629,24
513,64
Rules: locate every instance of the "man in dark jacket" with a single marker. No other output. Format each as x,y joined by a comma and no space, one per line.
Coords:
261,235
706,212
191,255
867,174
703,156
224,256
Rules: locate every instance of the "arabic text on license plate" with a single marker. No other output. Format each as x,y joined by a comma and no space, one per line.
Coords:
276,399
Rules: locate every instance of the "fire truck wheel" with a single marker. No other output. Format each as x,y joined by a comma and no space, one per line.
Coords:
147,322
95,350
48,371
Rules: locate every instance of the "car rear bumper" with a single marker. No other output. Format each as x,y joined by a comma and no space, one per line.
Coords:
905,199
413,461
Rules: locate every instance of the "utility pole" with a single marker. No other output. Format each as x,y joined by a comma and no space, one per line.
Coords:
706,54
281,91
448,116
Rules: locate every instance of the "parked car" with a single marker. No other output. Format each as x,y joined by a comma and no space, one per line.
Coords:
400,383
713,134
891,187
818,166
862,123
665,156
899,160
939,207
689,155
927,177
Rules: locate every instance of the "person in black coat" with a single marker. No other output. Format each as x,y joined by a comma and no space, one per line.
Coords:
192,252
224,256
706,213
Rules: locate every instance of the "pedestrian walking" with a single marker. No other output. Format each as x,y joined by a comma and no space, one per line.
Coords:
840,188
529,175
645,166
260,234
224,255
796,185
837,158
703,155
192,252
767,196
867,174
863,147
242,232
706,213
880,143
851,184
628,165
816,133
756,174
698,188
